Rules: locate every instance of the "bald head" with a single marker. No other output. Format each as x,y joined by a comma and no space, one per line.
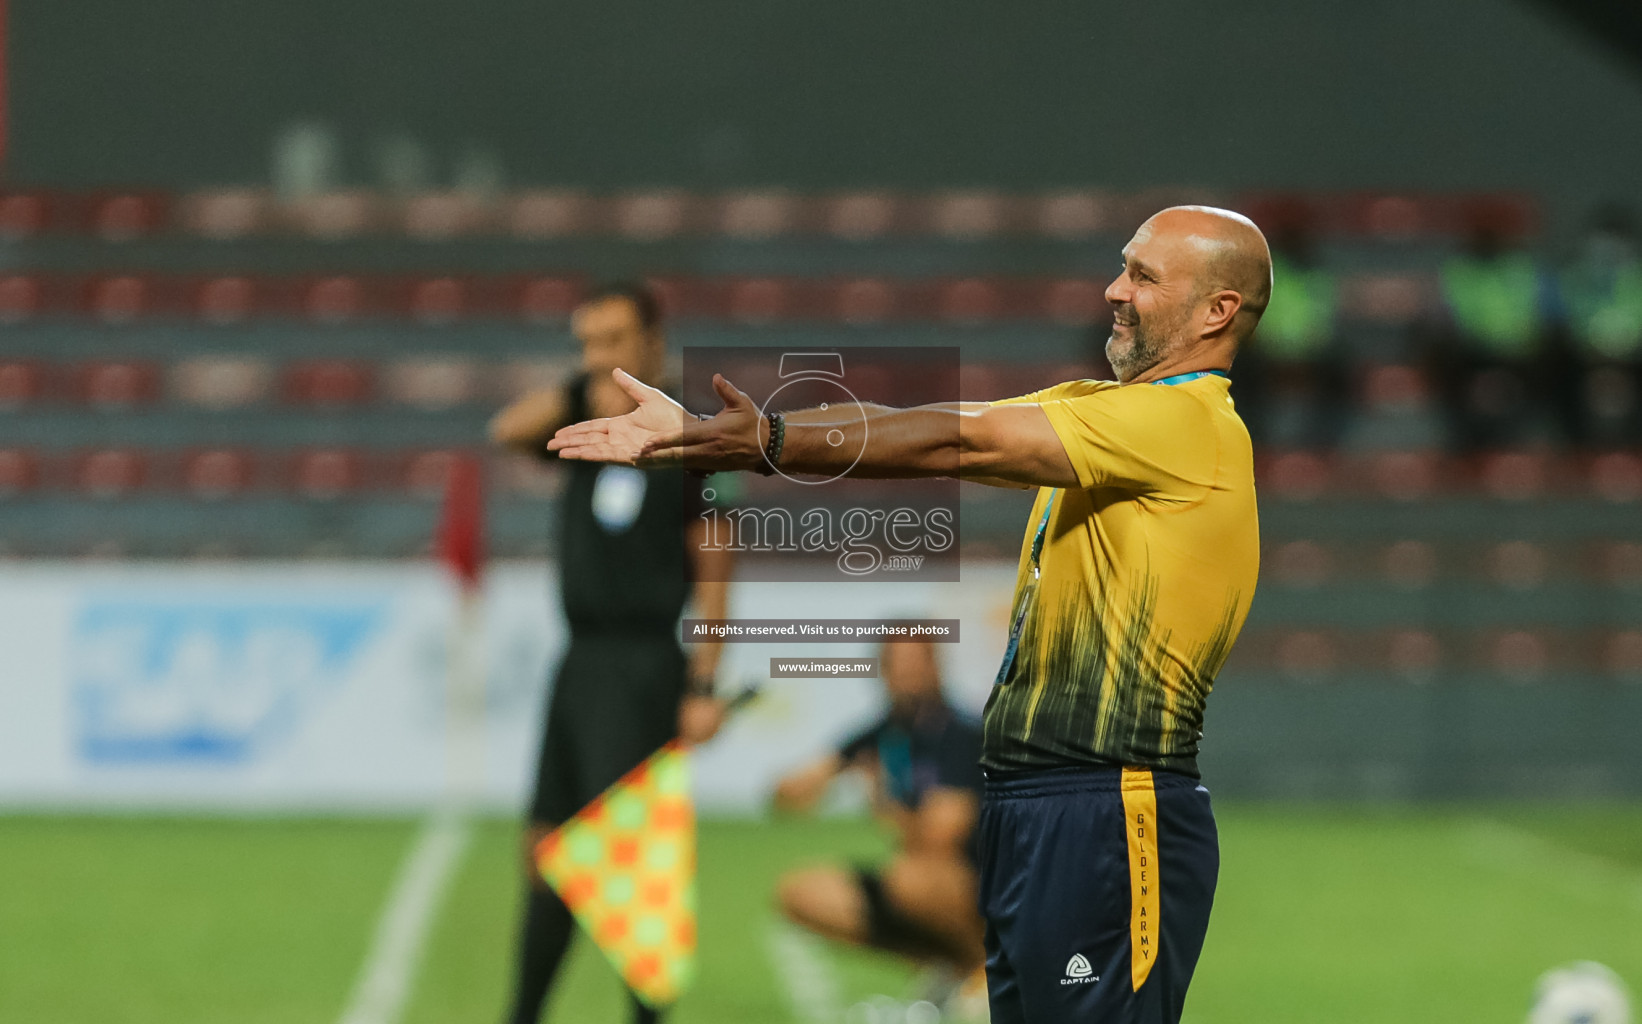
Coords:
1232,252
1195,281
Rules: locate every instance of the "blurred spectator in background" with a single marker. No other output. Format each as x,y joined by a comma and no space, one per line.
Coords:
923,762
1290,384
1602,306
1493,356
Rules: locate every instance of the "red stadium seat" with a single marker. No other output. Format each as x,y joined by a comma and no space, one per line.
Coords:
1617,477
21,382
334,300
1390,217
1514,476
441,300
19,298
545,300
110,473
327,383
120,300
226,300
217,473
1297,476
22,215
759,300
971,301
865,301
1076,303
19,471
115,385
122,217
980,382
326,473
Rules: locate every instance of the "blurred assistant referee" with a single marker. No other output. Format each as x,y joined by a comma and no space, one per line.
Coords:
1098,849
624,687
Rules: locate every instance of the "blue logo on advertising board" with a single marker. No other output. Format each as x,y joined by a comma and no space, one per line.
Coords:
197,679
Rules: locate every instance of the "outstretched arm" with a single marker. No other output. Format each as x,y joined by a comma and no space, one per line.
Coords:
1007,444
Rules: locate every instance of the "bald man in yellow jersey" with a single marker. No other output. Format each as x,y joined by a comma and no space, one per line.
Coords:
1097,844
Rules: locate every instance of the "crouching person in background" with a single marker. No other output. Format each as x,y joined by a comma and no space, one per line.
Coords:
922,762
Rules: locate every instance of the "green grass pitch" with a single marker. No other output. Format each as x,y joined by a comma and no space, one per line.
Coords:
1325,914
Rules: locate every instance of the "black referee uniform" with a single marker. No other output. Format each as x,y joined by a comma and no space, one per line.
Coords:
624,578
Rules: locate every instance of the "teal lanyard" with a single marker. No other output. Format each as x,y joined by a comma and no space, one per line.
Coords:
1027,595
1037,539
1181,378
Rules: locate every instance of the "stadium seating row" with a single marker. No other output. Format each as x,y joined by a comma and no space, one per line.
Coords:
330,470
430,381
547,214
1412,565
119,298
1410,476
1511,655
214,474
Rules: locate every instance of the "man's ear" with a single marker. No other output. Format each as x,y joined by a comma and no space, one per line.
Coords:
1222,310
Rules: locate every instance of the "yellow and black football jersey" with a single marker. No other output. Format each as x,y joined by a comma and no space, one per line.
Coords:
1133,585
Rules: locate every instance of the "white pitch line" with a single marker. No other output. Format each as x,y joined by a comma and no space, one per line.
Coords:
384,980
801,965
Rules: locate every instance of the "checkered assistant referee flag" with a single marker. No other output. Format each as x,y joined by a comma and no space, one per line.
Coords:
625,865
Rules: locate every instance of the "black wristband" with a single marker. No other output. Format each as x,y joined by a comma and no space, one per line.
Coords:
772,448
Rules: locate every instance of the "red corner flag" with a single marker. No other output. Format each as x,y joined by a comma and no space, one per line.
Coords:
460,541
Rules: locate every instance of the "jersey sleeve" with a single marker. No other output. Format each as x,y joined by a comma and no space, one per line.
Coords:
1141,438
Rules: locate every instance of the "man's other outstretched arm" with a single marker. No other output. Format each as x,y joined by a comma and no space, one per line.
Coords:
1011,444
1002,445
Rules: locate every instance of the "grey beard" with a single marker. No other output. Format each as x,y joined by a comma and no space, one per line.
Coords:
1142,356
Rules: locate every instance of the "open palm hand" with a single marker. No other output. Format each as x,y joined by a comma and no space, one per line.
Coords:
622,438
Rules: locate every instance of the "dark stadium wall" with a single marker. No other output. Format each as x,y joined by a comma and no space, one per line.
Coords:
809,94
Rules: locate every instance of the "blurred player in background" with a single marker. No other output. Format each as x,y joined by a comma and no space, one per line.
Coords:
923,760
626,563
